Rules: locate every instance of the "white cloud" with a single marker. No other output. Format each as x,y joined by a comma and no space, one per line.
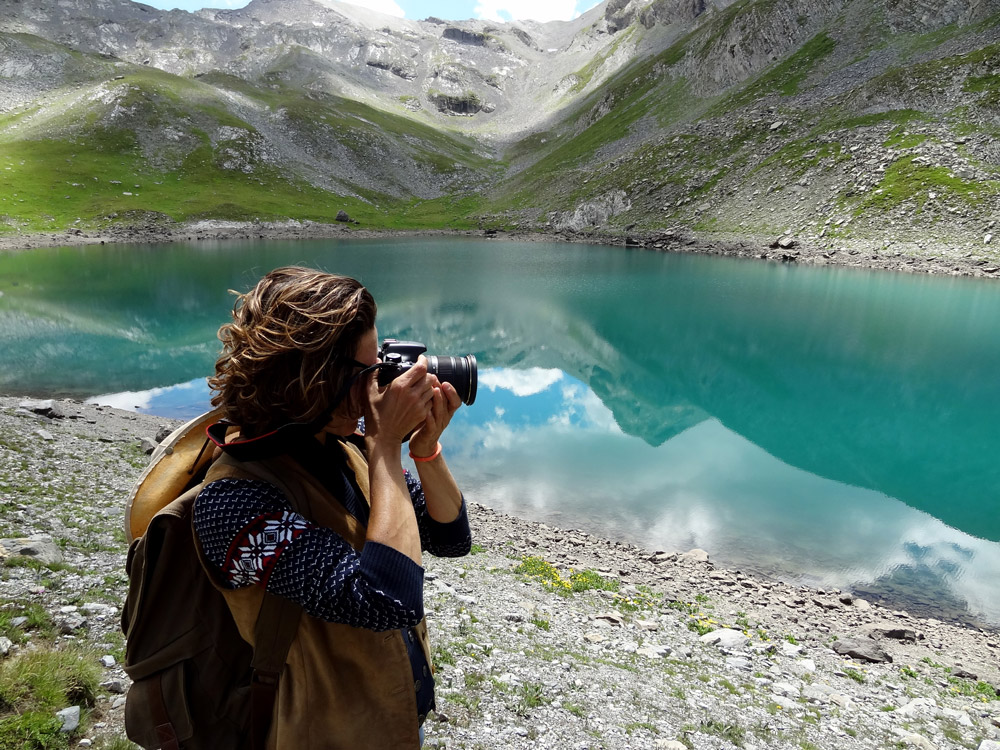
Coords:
544,10
519,382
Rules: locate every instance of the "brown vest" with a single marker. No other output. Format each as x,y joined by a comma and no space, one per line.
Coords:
343,687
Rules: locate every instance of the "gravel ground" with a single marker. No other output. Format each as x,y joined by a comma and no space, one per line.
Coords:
653,649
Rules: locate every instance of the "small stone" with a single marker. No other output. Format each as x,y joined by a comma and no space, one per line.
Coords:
70,718
108,661
5,645
668,745
989,745
45,435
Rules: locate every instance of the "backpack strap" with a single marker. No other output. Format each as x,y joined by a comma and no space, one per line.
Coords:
274,631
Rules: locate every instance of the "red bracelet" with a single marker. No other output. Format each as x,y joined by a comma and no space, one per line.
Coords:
424,459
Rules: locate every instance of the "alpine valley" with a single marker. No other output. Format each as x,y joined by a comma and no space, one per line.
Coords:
830,121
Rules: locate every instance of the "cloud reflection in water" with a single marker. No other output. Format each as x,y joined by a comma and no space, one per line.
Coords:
541,444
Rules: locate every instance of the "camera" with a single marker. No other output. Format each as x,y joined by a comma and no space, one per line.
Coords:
399,356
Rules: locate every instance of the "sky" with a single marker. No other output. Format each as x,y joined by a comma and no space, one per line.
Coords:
448,10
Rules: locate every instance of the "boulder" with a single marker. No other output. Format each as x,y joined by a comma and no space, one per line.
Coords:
864,649
42,548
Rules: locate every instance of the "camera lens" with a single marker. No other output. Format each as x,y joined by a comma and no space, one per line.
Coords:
461,372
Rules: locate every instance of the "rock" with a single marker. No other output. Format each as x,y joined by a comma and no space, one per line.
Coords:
864,649
612,617
668,745
897,634
70,718
964,674
987,239
653,651
70,622
959,717
342,216
725,638
5,645
786,242
989,745
147,446
919,741
163,433
46,408
42,548
694,555
45,435
108,661
916,707
116,686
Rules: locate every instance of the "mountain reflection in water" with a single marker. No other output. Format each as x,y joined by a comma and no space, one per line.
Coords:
704,486
807,422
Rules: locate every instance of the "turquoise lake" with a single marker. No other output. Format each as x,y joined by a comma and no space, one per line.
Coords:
831,427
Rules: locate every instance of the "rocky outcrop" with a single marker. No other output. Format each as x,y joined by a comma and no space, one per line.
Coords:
926,15
594,213
664,12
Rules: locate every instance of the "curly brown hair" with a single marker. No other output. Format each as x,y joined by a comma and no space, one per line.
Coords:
290,347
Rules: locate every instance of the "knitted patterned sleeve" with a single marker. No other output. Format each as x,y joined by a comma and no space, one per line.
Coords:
249,531
452,539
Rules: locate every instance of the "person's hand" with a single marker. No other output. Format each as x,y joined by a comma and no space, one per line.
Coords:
443,405
395,410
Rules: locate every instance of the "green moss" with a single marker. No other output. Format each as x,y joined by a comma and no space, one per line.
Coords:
907,180
902,138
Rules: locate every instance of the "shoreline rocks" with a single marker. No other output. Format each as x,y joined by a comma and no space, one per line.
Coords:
948,254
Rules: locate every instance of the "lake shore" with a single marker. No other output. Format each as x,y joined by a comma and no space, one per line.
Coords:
653,648
947,254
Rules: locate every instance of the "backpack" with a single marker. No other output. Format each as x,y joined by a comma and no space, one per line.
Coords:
195,682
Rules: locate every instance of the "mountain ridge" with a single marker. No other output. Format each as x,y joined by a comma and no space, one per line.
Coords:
830,120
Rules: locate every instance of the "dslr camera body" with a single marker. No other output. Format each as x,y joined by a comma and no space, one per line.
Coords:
399,356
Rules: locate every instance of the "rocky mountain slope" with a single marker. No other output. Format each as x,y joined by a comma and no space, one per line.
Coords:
829,120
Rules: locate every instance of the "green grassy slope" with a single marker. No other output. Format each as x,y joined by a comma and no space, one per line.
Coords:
144,145
854,125
702,161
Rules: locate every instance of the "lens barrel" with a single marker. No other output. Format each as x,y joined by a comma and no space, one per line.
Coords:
461,372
